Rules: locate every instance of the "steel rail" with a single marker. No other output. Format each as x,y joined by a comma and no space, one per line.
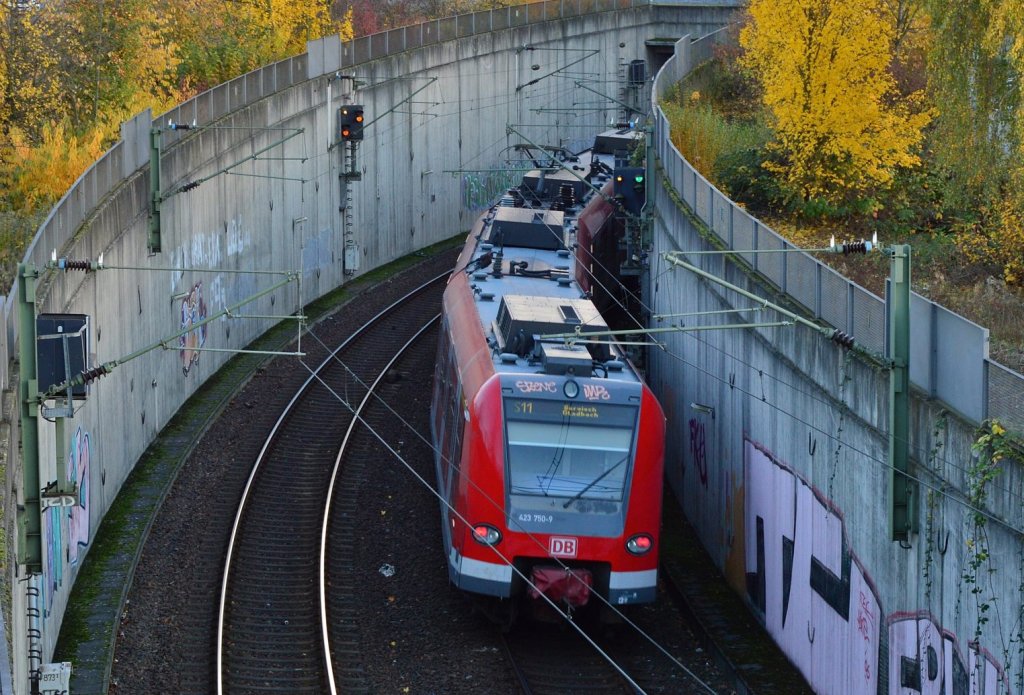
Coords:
299,394
356,420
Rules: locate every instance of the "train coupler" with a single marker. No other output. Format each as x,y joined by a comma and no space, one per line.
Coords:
563,585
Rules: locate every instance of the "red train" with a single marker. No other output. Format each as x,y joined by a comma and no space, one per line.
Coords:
549,453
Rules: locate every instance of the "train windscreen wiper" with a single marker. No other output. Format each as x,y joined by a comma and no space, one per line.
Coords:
595,481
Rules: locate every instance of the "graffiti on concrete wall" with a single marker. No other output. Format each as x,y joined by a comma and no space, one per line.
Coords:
820,606
924,659
54,535
193,311
78,515
213,250
67,528
698,450
479,190
815,599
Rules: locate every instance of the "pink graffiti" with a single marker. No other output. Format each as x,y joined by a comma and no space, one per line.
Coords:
67,528
866,627
78,515
865,620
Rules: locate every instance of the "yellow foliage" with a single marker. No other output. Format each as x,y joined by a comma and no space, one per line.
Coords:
701,135
823,68
41,174
1006,33
1000,242
346,28
283,26
153,67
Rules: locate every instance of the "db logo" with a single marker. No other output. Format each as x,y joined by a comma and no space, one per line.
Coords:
562,547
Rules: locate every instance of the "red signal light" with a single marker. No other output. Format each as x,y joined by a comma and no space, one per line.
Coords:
486,534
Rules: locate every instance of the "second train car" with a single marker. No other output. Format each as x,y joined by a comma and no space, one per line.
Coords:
549,452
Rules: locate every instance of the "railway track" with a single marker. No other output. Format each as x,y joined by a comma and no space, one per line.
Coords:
410,630
559,660
272,634
640,654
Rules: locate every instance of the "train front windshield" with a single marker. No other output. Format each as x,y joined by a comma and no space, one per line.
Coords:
569,450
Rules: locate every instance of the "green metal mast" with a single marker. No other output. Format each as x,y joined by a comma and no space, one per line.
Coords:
153,242
902,516
30,541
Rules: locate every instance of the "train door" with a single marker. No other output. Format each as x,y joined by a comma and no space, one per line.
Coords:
438,397
441,415
453,427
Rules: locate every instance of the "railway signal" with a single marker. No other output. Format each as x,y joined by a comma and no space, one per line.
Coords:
350,122
630,189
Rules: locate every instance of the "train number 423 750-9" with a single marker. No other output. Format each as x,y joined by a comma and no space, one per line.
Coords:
536,518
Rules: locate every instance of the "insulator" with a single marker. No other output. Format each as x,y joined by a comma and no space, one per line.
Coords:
90,375
567,194
189,186
77,265
842,339
855,247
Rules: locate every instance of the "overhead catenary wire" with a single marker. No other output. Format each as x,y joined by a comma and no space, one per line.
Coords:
951,464
761,372
479,105
498,506
830,404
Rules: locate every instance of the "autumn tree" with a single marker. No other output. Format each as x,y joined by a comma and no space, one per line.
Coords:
32,93
971,85
976,66
840,129
275,29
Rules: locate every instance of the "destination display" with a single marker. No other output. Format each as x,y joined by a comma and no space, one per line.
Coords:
543,410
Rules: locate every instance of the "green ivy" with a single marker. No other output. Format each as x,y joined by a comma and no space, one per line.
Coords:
992,446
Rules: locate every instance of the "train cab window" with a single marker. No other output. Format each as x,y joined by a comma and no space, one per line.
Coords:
558,452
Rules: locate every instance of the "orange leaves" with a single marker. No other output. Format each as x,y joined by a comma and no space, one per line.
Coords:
41,174
838,123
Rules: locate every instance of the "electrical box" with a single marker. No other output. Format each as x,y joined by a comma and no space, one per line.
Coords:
62,349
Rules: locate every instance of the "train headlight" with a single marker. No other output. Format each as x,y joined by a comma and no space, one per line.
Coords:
571,389
640,544
486,534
